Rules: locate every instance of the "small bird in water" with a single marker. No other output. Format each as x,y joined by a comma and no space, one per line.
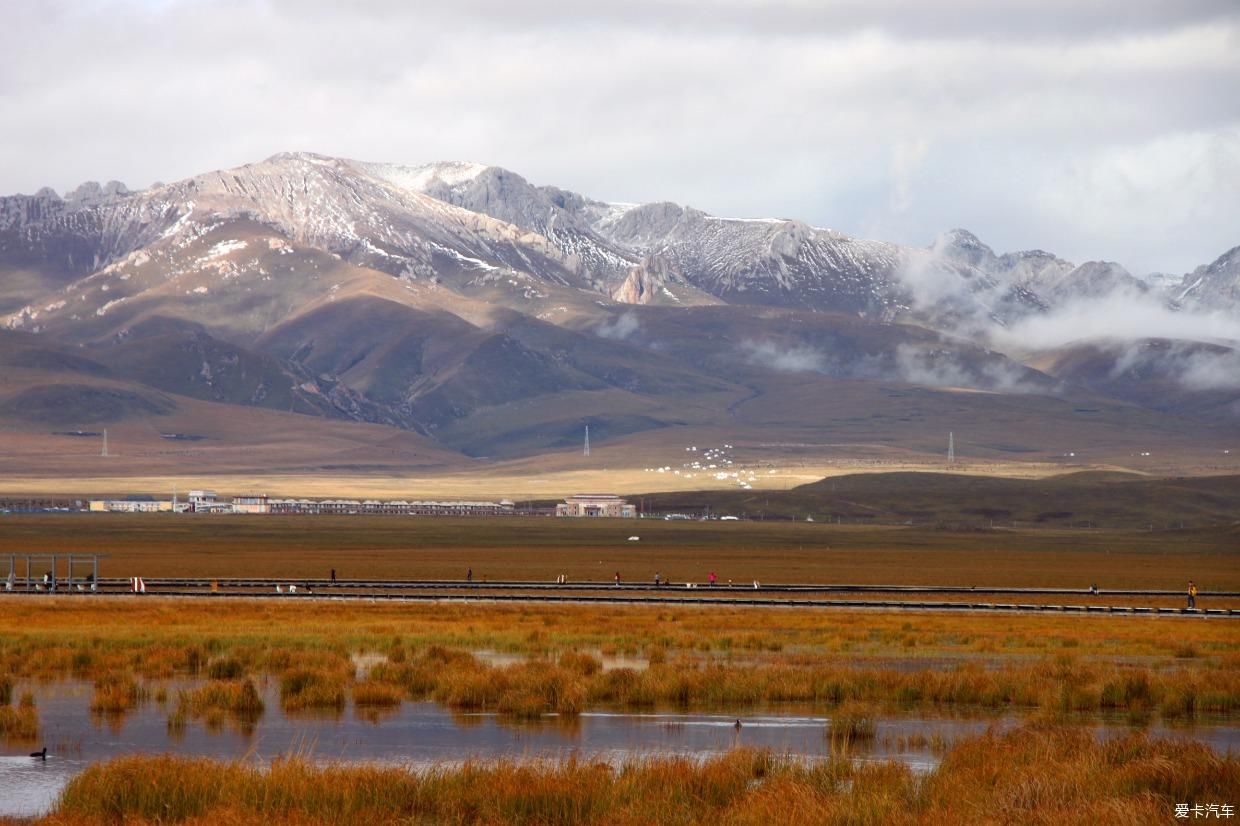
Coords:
40,755
737,724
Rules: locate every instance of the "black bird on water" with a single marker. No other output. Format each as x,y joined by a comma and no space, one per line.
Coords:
40,755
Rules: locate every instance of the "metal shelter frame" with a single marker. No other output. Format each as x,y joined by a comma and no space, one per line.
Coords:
52,580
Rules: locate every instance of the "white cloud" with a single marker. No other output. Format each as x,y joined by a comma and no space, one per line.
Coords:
1117,317
895,118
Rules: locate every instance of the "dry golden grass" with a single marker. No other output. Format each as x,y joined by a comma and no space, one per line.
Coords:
20,724
371,693
1035,774
232,697
312,688
91,637
699,657
116,693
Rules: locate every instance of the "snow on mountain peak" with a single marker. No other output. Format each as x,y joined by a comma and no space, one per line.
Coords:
426,177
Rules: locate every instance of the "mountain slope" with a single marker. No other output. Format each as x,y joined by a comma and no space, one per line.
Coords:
463,302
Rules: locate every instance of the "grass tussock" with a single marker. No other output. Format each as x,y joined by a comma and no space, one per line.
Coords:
312,688
374,694
21,723
1035,775
852,723
226,668
215,703
116,694
523,690
237,697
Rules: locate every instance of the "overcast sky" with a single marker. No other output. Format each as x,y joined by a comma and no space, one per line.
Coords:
1107,132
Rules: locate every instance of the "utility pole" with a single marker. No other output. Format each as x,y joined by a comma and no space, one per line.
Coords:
105,444
951,448
586,452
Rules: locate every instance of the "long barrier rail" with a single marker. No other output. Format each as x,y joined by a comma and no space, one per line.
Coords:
609,586
774,595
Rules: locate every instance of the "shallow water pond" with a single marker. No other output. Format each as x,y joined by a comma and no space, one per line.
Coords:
421,733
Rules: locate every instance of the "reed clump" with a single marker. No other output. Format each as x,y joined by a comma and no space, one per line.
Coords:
312,688
852,723
1034,774
225,668
236,697
215,703
525,690
376,694
116,694
20,723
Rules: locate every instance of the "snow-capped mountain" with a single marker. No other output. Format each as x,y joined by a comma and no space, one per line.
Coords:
467,219
1214,286
458,298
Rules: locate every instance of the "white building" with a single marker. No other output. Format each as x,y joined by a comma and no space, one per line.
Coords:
206,501
596,504
254,503
129,506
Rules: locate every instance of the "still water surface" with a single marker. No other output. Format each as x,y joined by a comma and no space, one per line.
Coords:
421,734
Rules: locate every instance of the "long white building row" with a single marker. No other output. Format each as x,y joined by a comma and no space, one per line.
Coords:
206,501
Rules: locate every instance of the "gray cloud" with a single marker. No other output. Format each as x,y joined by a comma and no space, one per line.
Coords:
1111,131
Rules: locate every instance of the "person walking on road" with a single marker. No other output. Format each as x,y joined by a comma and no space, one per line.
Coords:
1192,594
657,580
333,574
617,577
712,579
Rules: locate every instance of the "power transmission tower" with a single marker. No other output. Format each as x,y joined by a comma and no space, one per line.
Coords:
586,451
951,448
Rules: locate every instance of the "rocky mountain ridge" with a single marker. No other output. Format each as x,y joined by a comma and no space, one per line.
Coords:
460,301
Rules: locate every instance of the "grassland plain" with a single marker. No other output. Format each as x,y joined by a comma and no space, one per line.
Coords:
540,549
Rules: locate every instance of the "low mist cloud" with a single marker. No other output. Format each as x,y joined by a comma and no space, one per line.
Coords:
1197,367
907,363
1211,371
1120,321
1122,317
619,328
946,367
786,359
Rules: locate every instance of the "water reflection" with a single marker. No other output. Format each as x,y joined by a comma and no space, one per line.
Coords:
422,734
